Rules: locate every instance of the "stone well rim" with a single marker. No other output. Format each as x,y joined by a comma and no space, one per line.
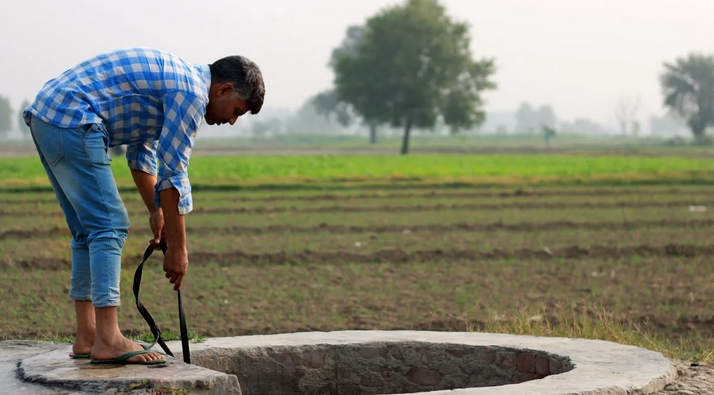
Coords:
599,367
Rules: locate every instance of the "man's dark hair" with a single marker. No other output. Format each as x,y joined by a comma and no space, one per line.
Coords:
245,76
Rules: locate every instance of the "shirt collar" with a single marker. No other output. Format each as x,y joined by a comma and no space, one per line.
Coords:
206,73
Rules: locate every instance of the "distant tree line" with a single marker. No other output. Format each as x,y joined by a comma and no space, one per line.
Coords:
8,117
530,120
404,68
410,66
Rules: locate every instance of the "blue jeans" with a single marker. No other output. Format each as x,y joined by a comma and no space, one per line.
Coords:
78,166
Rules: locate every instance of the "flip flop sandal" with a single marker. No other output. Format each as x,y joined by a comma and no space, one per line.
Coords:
123,359
89,355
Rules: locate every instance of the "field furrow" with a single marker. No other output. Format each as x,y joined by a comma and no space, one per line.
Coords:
468,256
412,207
417,228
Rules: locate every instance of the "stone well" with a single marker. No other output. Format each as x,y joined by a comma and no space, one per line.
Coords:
367,362
381,367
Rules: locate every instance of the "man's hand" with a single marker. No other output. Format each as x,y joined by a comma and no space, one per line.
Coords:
176,265
176,258
156,221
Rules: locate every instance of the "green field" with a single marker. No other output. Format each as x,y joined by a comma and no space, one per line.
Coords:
350,170
576,245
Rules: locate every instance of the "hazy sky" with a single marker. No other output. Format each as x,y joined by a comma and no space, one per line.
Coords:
578,55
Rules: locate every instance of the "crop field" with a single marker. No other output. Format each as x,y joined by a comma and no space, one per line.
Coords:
352,170
283,244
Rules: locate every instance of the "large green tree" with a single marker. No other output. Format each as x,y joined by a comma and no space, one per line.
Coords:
410,65
688,86
6,116
21,120
329,103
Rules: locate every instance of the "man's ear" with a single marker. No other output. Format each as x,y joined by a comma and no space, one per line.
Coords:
225,88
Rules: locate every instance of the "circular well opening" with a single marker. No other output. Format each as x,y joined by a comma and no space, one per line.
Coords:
380,368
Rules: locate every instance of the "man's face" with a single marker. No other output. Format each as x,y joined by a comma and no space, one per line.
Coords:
222,107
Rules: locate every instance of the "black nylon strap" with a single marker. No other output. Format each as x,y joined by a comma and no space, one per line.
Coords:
184,331
155,331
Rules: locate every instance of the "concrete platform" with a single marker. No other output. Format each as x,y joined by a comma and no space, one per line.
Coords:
55,369
354,362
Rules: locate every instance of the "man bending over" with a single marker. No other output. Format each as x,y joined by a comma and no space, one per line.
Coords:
153,102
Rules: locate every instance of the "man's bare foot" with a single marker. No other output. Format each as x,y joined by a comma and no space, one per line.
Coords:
121,346
83,345
86,328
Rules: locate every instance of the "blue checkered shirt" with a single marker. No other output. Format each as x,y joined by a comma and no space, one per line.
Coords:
149,100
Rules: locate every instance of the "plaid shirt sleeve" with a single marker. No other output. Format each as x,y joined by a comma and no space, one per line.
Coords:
142,156
183,112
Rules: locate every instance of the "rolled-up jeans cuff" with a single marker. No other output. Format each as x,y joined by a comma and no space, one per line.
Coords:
107,303
80,297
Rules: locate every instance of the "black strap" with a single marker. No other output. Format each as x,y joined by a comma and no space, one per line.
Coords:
150,320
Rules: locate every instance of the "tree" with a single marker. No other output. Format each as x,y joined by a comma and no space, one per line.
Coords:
583,126
530,120
329,102
264,127
666,125
688,86
21,120
546,117
524,118
308,119
626,113
410,65
329,105
635,128
6,116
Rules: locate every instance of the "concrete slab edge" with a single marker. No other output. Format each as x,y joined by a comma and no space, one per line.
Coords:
600,367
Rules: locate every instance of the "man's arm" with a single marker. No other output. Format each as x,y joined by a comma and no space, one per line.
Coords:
145,183
184,111
175,225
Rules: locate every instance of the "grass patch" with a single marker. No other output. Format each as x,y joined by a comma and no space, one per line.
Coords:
169,391
168,336
595,322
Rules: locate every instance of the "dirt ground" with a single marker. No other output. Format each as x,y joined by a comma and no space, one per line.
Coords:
271,262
